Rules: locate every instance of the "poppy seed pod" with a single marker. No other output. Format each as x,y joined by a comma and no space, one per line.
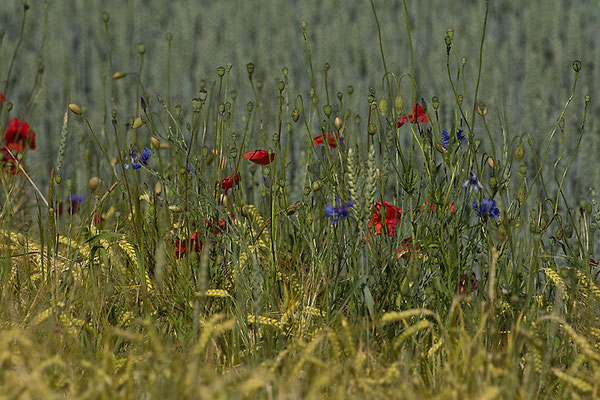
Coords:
435,102
350,89
576,65
220,71
75,109
141,48
250,106
250,68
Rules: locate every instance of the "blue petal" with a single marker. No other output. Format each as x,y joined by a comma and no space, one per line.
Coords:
329,211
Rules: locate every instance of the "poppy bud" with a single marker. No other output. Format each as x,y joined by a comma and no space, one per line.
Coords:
250,106
58,179
490,162
327,110
169,37
105,17
317,185
576,65
137,123
141,48
155,142
337,123
94,182
118,75
560,234
372,129
519,152
435,102
569,231
357,119
383,106
9,106
371,99
340,96
350,89
295,115
481,109
398,104
75,109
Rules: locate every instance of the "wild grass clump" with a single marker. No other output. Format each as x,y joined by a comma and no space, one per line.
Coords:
345,248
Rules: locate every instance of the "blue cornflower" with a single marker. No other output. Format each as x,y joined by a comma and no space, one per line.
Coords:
339,211
472,183
446,137
145,156
487,208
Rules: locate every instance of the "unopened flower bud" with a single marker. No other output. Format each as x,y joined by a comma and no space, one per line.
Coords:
118,75
58,179
519,152
169,37
158,188
250,68
490,162
340,95
220,71
9,106
481,109
94,182
141,48
137,123
281,86
155,142
295,115
371,99
576,65
372,129
327,109
75,109
337,123
435,102
250,106
350,89
105,17
317,185
383,106
398,104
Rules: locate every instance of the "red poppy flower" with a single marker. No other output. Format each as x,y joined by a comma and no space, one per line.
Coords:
18,136
229,182
462,285
419,115
2,98
216,227
8,162
433,207
406,247
259,157
181,245
317,140
392,216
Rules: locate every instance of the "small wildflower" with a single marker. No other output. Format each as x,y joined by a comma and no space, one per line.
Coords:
417,116
466,278
472,183
446,137
75,201
145,156
487,208
259,157
339,211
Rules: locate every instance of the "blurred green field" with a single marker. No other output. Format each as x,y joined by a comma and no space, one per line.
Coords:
526,77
